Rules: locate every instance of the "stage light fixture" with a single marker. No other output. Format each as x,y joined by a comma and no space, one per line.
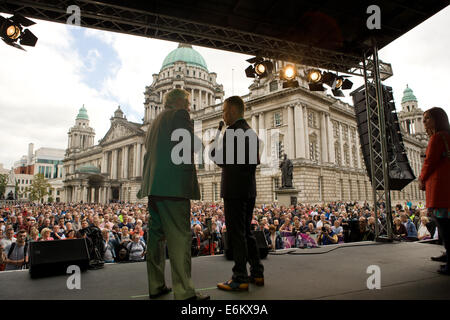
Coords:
260,68
314,76
11,31
288,74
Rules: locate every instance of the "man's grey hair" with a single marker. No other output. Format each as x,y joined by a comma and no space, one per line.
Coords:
176,98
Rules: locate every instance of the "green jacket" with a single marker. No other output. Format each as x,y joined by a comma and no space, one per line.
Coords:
162,177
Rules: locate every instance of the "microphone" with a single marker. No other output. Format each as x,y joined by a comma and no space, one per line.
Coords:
219,130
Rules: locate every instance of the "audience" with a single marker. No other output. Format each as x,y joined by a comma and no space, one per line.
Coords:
124,227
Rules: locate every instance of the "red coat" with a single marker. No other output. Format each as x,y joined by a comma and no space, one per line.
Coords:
436,172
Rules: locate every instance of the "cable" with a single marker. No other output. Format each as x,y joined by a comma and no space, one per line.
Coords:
296,252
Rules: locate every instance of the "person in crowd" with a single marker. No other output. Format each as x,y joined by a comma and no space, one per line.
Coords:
434,178
410,227
287,226
338,230
327,236
136,249
34,234
17,255
109,247
399,230
274,239
45,235
57,234
8,239
71,234
423,233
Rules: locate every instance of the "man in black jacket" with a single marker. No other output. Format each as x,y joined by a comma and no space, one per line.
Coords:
238,157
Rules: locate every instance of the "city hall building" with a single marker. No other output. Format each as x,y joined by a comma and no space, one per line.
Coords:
316,131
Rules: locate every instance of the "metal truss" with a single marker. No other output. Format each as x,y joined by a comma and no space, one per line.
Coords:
104,16
377,140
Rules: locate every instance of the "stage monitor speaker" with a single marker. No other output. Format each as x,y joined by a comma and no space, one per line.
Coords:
48,258
400,172
261,244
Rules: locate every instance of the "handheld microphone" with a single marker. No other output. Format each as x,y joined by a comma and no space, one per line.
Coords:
219,130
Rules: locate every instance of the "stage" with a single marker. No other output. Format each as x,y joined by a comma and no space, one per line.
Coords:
330,272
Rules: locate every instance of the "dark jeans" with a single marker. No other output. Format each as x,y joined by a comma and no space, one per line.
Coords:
238,218
444,232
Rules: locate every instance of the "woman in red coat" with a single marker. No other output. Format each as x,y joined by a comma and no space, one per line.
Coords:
435,175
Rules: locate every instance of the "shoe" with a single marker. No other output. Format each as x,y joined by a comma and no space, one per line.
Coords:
444,269
199,297
259,281
163,291
441,258
232,285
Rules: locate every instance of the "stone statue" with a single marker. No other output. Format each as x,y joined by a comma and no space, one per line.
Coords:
287,168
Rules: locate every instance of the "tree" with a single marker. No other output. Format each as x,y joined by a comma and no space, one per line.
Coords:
3,183
39,188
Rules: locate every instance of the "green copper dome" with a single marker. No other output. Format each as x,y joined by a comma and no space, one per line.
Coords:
82,114
185,53
408,95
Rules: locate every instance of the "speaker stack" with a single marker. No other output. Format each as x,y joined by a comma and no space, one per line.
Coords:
400,171
48,258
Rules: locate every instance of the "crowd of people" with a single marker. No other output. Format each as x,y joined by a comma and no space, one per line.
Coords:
124,227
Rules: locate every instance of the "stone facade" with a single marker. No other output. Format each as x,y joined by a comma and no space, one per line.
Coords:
317,132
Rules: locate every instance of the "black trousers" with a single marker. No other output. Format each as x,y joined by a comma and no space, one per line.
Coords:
238,218
444,232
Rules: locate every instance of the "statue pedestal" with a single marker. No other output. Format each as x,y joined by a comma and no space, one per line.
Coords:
287,196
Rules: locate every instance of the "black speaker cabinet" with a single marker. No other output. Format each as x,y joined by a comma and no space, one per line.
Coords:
48,258
261,244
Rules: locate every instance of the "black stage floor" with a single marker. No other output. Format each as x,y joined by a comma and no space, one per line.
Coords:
331,272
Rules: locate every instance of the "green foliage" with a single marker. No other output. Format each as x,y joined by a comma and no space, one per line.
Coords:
3,183
39,188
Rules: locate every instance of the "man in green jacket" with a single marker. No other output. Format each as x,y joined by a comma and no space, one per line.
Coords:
169,180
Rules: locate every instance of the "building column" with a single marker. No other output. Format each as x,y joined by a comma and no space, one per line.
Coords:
125,162
92,194
104,162
323,138
114,164
291,130
137,166
341,142
254,123
299,132
305,119
142,159
331,151
85,194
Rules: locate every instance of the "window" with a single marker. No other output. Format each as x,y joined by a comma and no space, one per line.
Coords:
280,149
346,156
312,121
187,72
337,153
277,119
313,150
273,86
353,134
345,132
178,76
179,68
354,156
335,129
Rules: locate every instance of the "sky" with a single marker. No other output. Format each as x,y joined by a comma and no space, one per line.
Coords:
42,89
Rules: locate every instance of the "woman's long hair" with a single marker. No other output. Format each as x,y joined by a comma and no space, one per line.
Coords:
440,119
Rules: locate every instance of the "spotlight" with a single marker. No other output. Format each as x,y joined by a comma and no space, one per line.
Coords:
288,74
314,76
11,31
261,68
336,83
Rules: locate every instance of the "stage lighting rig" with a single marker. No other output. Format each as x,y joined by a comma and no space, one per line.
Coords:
336,83
288,73
314,77
12,31
260,68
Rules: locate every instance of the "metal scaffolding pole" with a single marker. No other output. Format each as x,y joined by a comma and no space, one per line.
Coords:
379,166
